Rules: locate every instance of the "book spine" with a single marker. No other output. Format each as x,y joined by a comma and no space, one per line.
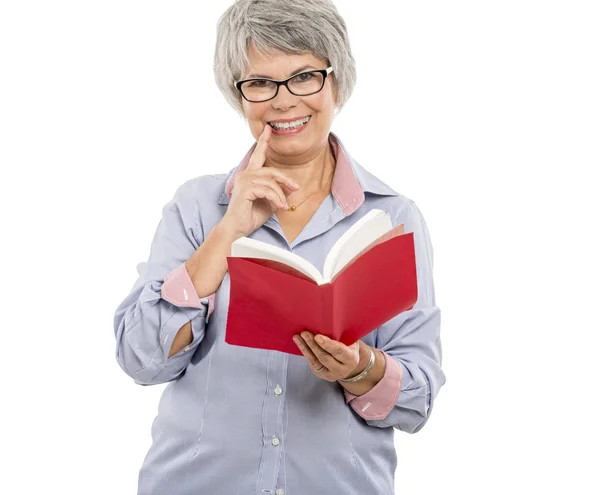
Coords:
328,310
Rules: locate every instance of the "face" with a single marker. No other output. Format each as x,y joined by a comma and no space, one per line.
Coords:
311,138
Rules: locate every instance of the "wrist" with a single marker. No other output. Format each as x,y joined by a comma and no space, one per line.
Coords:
364,357
365,363
226,232
374,376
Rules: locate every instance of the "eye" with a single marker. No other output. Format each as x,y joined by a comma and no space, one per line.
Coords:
304,77
258,83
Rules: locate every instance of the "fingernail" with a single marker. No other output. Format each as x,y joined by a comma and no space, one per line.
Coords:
319,339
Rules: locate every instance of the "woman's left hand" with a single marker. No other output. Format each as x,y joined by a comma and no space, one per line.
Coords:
339,360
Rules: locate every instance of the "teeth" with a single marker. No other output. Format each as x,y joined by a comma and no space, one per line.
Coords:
291,125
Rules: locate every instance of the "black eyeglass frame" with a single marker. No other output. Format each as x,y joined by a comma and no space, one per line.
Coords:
323,72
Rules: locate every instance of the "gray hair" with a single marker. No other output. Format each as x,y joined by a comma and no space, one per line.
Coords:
290,26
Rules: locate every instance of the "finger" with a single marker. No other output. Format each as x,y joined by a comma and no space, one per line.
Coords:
313,361
262,192
321,354
252,187
271,184
343,353
257,160
278,176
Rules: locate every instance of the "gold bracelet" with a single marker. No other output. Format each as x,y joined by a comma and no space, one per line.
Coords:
364,373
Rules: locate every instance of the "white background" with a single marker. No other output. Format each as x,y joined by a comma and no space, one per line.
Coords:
486,114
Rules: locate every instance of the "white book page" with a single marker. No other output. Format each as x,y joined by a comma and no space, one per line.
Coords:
251,248
369,228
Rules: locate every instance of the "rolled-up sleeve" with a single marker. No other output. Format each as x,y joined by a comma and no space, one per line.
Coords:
412,339
148,319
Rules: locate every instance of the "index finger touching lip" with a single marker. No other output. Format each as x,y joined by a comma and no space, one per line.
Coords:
258,155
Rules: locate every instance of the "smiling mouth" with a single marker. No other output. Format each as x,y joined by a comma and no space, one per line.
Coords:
290,125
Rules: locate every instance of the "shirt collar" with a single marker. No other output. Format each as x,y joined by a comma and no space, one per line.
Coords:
350,180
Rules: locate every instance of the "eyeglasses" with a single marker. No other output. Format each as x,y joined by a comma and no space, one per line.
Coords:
303,84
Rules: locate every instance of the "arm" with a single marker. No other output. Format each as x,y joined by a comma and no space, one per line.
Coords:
149,320
203,274
403,397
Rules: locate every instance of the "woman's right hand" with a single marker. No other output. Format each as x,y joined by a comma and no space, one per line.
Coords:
258,191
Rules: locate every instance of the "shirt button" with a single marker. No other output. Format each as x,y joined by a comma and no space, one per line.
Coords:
187,348
275,441
279,492
278,390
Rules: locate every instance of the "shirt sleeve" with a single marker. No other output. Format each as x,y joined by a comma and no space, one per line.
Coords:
412,340
379,401
148,319
179,290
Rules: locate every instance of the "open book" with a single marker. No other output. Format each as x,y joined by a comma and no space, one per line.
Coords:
369,276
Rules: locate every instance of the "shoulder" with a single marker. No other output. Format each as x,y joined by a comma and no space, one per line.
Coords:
203,188
201,201
379,194
401,208
208,187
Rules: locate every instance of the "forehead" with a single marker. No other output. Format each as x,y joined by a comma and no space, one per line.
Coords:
278,65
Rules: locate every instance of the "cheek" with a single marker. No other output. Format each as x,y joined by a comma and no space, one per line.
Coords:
255,115
249,114
251,111
323,102
254,120
325,112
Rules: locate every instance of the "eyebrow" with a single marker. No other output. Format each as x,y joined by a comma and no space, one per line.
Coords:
300,69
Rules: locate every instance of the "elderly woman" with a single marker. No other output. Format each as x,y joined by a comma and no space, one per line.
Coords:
237,420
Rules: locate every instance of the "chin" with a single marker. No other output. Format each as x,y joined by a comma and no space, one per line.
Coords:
295,147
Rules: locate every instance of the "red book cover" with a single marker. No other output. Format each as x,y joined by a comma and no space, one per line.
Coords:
271,302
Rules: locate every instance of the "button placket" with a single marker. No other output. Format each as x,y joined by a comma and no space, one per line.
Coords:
273,427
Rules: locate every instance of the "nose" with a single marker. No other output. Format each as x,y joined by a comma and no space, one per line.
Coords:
284,99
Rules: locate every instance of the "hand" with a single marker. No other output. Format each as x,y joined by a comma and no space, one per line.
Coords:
258,191
340,360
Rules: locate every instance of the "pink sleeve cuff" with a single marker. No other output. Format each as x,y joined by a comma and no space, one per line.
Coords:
179,290
381,399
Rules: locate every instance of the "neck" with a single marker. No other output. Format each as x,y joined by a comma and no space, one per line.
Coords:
311,173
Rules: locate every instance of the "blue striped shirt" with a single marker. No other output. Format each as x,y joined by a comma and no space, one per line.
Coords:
235,420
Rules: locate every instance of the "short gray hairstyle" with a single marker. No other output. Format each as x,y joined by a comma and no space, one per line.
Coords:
288,26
